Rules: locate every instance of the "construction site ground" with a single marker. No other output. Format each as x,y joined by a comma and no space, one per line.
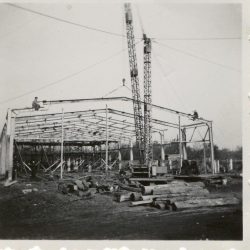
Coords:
46,213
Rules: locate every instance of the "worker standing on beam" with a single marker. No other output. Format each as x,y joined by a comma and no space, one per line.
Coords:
35,104
195,115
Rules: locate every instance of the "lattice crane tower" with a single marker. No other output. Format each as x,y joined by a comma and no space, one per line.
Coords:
148,148
134,77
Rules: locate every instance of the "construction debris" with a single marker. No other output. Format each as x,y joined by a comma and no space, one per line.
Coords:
26,191
176,195
9,183
77,187
104,188
129,187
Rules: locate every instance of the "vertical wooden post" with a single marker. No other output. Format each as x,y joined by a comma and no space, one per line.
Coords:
68,164
170,164
211,147
119,155
217,167
231,164
94,153
8,131
204,158
62,138
180,141
100,149
10,143
162,150
131,151
107,137
184,144
3,143
11,152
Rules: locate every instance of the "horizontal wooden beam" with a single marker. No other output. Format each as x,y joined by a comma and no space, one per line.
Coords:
176,112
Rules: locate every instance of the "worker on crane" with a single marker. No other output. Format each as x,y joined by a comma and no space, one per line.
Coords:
35,104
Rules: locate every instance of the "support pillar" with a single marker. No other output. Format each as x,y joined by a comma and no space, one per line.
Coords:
10,143
62,138
68,164
162,151
217,167
204,158
211,147
119,156
170,164
180,142
131,151
100,150
184,144
94,153
3,143
107,136
231,165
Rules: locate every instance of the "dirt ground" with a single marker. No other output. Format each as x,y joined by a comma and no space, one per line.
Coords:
48,214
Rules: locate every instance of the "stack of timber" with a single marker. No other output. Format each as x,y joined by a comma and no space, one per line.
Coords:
177,195
176,188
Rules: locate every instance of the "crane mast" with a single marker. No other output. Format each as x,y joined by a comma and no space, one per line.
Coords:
134,78
148,148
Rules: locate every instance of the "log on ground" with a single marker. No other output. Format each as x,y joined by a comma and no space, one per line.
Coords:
122,196
139,203
175,185
180,192
205,203
126,187
136,196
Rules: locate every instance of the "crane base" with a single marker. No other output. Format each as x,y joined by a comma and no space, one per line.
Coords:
140,171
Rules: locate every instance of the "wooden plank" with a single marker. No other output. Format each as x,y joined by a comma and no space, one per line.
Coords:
167,179
180,196
126,187
179,186
152,197
24,164
9,183
181,191
205,202
52,165
138,203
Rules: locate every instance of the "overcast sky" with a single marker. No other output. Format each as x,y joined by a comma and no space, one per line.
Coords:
196,59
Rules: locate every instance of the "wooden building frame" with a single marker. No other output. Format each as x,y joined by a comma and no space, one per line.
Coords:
88,127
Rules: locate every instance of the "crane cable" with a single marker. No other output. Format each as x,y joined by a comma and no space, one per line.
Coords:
65,21
140,19
196,56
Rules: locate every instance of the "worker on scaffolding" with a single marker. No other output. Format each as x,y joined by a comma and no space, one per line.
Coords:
35,104
195,115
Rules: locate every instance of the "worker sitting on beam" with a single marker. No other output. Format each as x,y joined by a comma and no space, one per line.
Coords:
35,104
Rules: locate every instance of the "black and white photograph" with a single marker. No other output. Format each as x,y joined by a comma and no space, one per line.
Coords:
121,121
